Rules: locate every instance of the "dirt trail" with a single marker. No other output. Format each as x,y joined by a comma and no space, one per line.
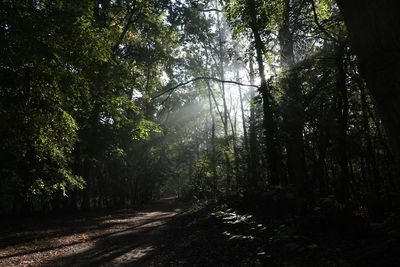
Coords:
117,239
165,234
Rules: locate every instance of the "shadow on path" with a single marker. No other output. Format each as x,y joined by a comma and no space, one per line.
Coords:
118,239
129,245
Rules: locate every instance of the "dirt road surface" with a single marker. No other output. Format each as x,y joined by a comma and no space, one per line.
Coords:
122,238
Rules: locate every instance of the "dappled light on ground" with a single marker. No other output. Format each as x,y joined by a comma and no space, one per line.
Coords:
168,233
105,240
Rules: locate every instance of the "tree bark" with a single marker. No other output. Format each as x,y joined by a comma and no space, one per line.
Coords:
245,137
221,55
269,122
342,110
213,150
374,27
252,180
293,112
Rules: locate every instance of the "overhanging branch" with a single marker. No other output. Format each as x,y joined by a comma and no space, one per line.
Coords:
330,36
211,10
198,79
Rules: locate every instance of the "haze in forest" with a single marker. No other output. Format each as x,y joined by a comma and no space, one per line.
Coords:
200,114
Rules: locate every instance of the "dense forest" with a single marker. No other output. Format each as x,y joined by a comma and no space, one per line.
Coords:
286,106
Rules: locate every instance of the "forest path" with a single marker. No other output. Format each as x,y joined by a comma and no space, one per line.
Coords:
121,238
167,234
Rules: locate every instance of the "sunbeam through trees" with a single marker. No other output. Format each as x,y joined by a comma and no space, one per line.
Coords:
286,111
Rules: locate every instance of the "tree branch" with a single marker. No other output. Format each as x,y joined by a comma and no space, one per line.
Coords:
330,36
316,89
198,79
210,10
215,101
126,27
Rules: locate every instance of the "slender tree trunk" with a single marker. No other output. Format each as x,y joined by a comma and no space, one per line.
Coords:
293,113
233,125
252,180
320,171
225,111
269,123
373,178
213,152
245,137
342,190
370,155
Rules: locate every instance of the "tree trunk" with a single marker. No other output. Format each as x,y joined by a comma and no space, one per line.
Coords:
342,189
235,149
245,138
221,55
374,27
252,180
269,122
213,152
293,113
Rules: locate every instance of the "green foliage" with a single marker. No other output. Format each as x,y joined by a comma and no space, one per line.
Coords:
80,126
66,89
